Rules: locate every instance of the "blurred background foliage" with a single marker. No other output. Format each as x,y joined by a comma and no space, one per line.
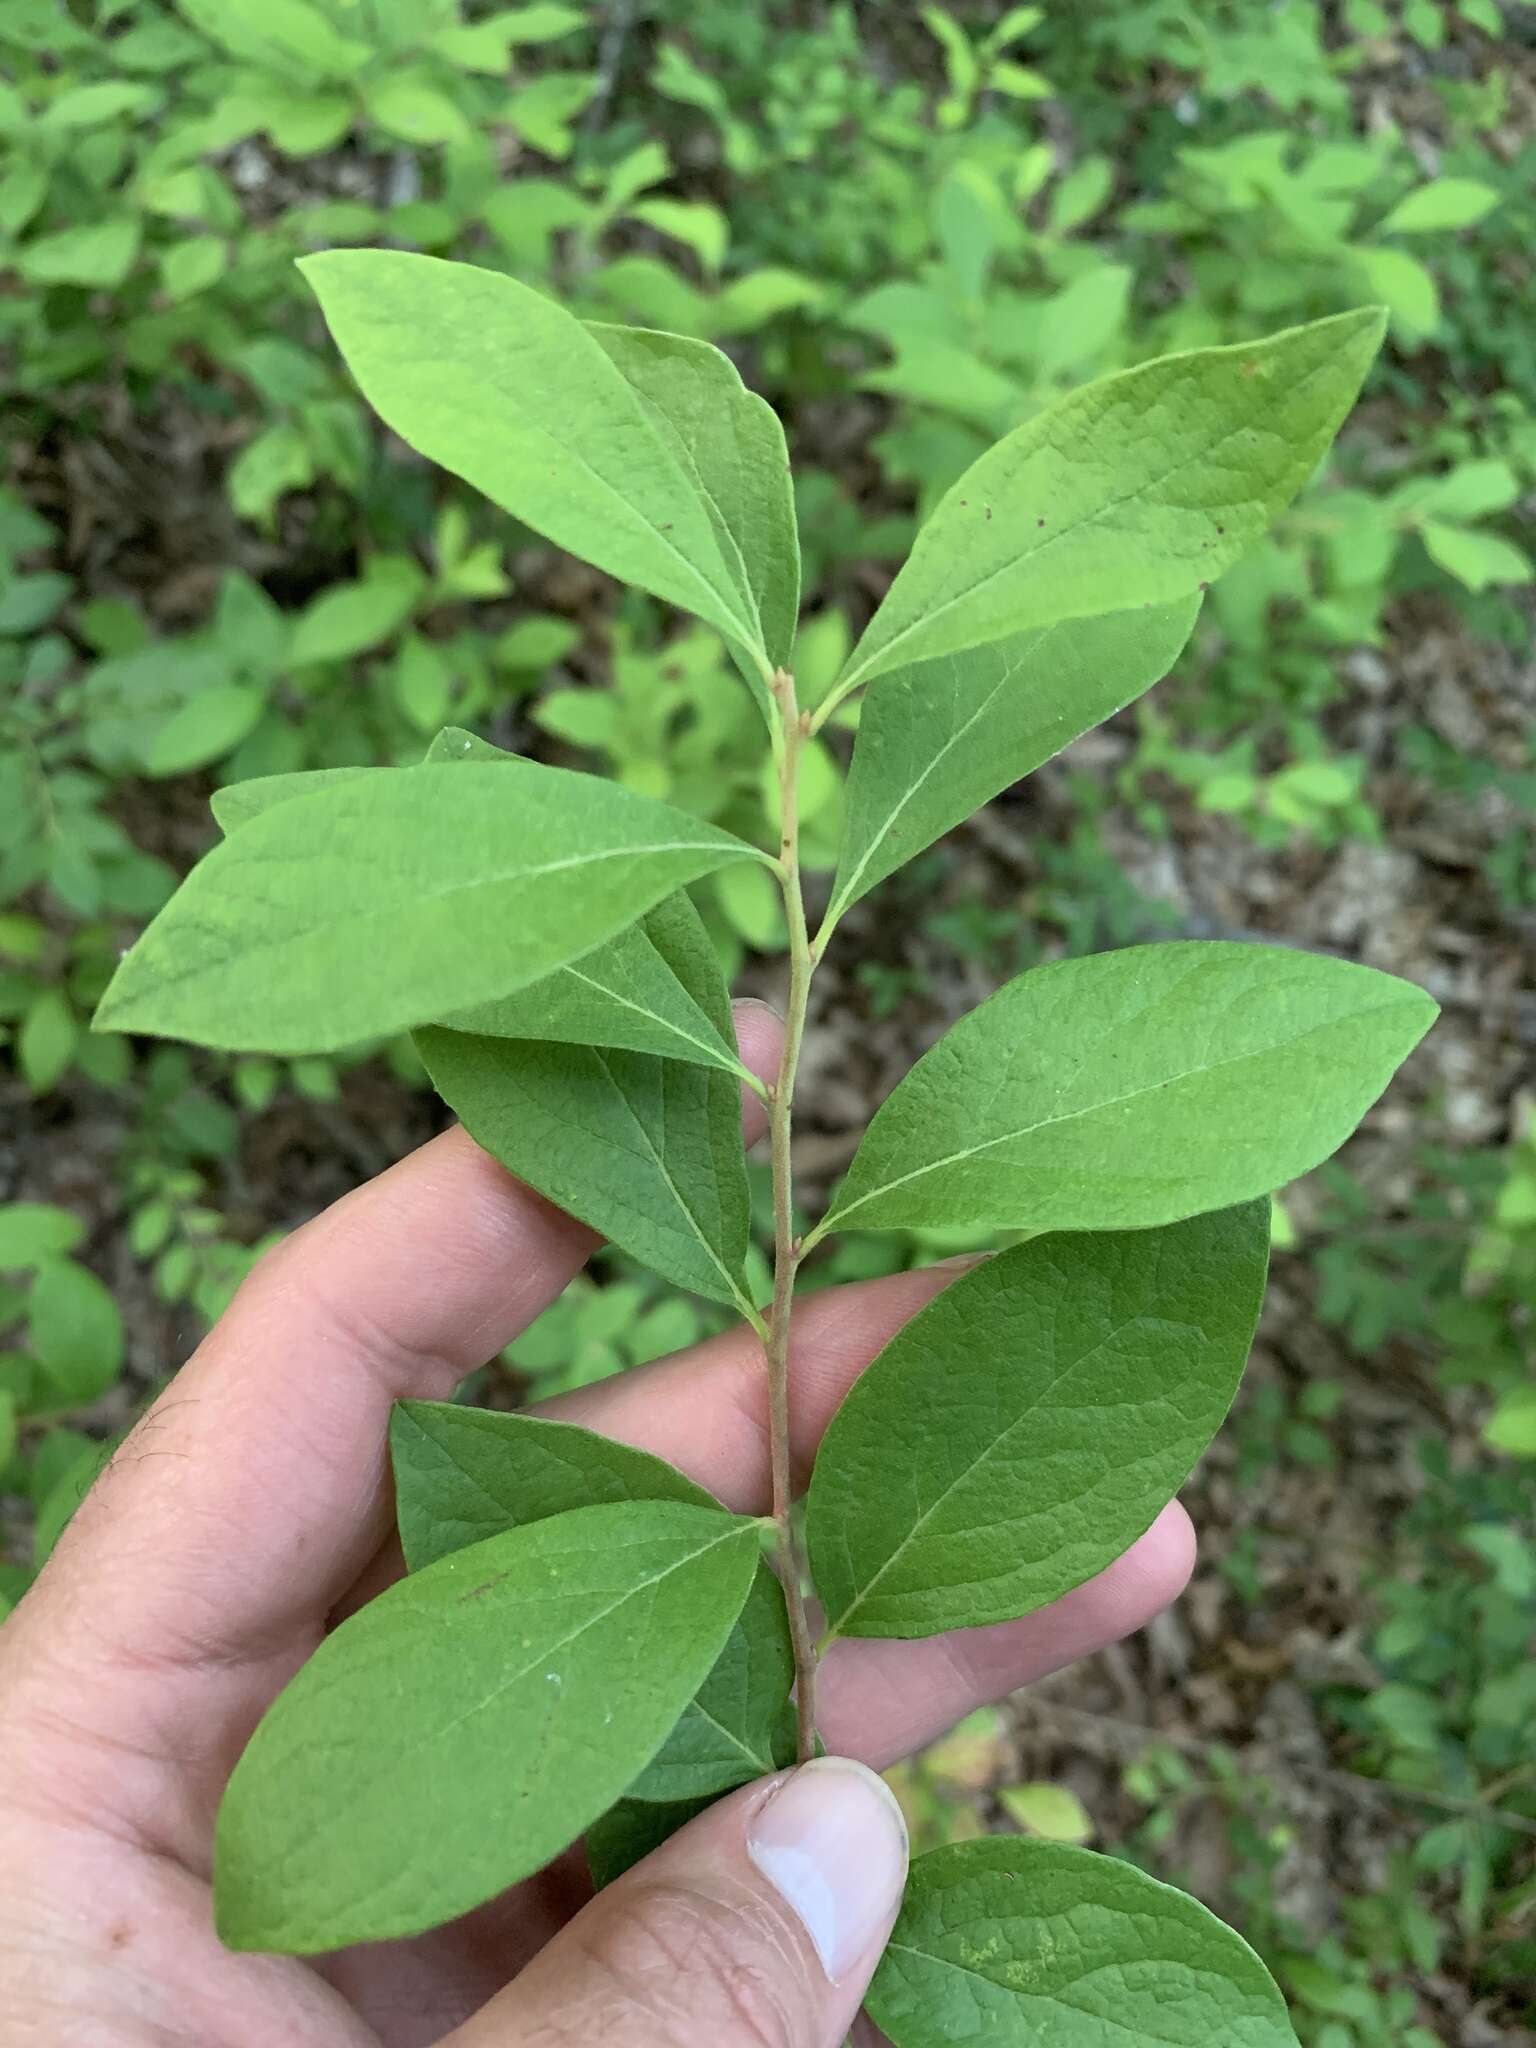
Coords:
912,227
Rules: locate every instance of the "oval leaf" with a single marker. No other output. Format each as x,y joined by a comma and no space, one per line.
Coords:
647,1151
462,1474
497,383
1079,1376
392,897
1133,1088
631,992
466,1726
730,443
1136,489
1014,1943
941,738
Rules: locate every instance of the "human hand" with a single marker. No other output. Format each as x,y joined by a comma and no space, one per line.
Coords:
250,1510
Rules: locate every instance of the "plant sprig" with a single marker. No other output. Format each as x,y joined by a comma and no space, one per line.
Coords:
1127,1116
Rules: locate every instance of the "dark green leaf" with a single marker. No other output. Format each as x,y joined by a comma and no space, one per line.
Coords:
629,1831
631,992
1011,1944
1030,1423
1133,1088
466,1726
462,1474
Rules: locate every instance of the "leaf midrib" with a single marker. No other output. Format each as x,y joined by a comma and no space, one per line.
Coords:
847,892
988,1451
1033,556
836,1218
733,1534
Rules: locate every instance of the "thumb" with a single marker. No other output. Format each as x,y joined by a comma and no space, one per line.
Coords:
756,1926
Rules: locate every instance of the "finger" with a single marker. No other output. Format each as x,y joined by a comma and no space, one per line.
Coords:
706,1410
255,1490
757,1926
880,1701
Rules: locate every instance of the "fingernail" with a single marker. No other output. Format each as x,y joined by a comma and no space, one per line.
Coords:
960,1262
832,1843
759,1003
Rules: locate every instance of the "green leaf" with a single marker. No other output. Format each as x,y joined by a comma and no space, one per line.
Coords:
462,1474
647,1151
32,1231
47,1040
1133,1088
632,992
1511,1427
1011,1943
1473,558
730,445
75,1330
1079,1378
95,253
466,1726
410,106
282,31
1052,1811
1137,489
504,388
210,724
349,618
939,739
394,896
631,1830
1442,204
1405,287
238,802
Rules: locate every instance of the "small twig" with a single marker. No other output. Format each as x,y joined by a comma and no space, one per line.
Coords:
786,1250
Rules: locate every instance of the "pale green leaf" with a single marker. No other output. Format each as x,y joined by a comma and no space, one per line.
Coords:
238,802
1079,1376
730,444
31,1231
1405,287
1133,1088
1512,1425
501,386
939,739
391,897
628,992
1442,204
1473,558
349,618
462,1474
410,106
75,1330
96,253
647,1151
210,724
1138,489
466,1726
1053,1812
1003,1943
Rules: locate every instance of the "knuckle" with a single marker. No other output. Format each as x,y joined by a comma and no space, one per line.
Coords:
676,1965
